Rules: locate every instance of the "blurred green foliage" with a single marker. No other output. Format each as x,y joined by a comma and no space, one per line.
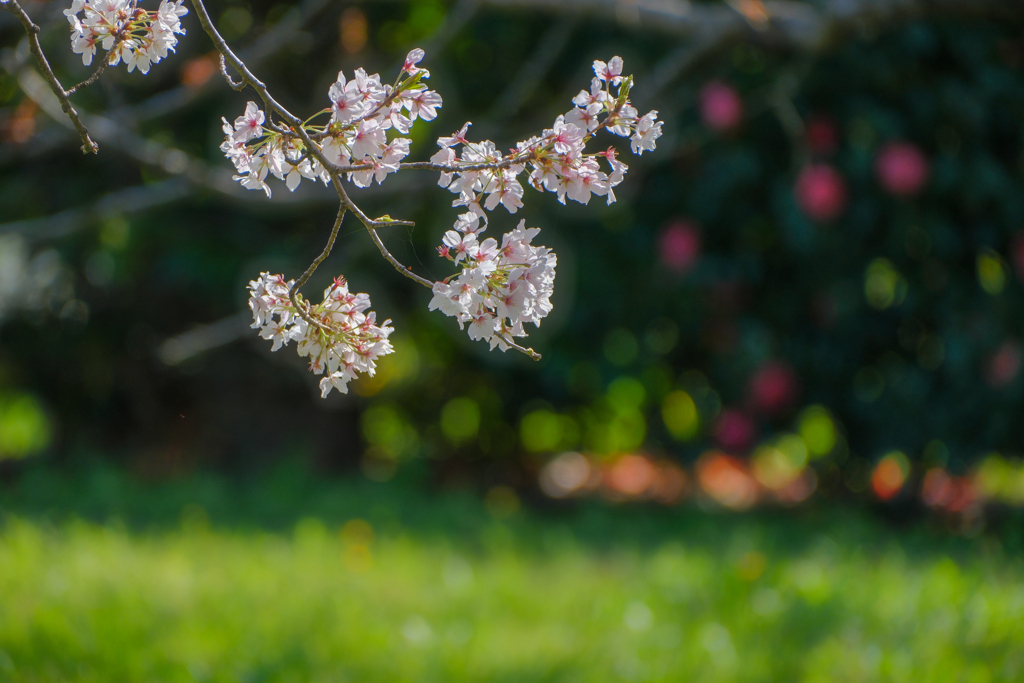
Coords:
289,577
24,427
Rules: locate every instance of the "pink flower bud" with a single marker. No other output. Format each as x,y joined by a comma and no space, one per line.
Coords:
901,168
720,106
821,192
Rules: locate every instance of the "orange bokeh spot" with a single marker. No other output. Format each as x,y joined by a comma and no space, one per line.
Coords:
198,71
888,476
726,480
22,126
630,475
670,485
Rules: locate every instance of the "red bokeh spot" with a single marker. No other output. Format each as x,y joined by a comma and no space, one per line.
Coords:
821,192
822,135
798,489
680,246
773,388
1003,366
941,491
901,168
734,431
720,106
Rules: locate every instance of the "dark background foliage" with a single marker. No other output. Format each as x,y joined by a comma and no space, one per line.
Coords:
715,273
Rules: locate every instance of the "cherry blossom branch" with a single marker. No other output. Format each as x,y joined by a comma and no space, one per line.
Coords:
32,31
500,288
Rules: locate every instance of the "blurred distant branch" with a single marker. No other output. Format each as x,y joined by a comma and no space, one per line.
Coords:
776,22
180,348
116,203
32,32
530,74
804,23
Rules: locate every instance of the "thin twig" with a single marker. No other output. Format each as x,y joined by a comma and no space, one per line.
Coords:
521,349
293,294
372,229
234,85
104,63
32,31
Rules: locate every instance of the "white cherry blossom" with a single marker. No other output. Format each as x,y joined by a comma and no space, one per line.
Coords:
130,34
345,340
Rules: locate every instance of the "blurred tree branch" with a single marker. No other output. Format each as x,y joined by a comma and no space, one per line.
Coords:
32,33
805,25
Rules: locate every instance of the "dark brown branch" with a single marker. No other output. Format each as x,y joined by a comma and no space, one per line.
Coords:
32,31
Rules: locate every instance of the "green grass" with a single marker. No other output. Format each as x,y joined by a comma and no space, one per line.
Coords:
259,584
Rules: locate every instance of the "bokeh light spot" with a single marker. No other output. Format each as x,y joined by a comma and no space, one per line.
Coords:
24,427
626,394
884,286
890,474
385,428
540,431
991,273
566,474
817,430
725,480
460,420
620,347
352,30
679,412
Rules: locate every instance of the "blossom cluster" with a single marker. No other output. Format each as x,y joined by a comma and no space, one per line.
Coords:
557,156
126,32
343,339
363,110
501,287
